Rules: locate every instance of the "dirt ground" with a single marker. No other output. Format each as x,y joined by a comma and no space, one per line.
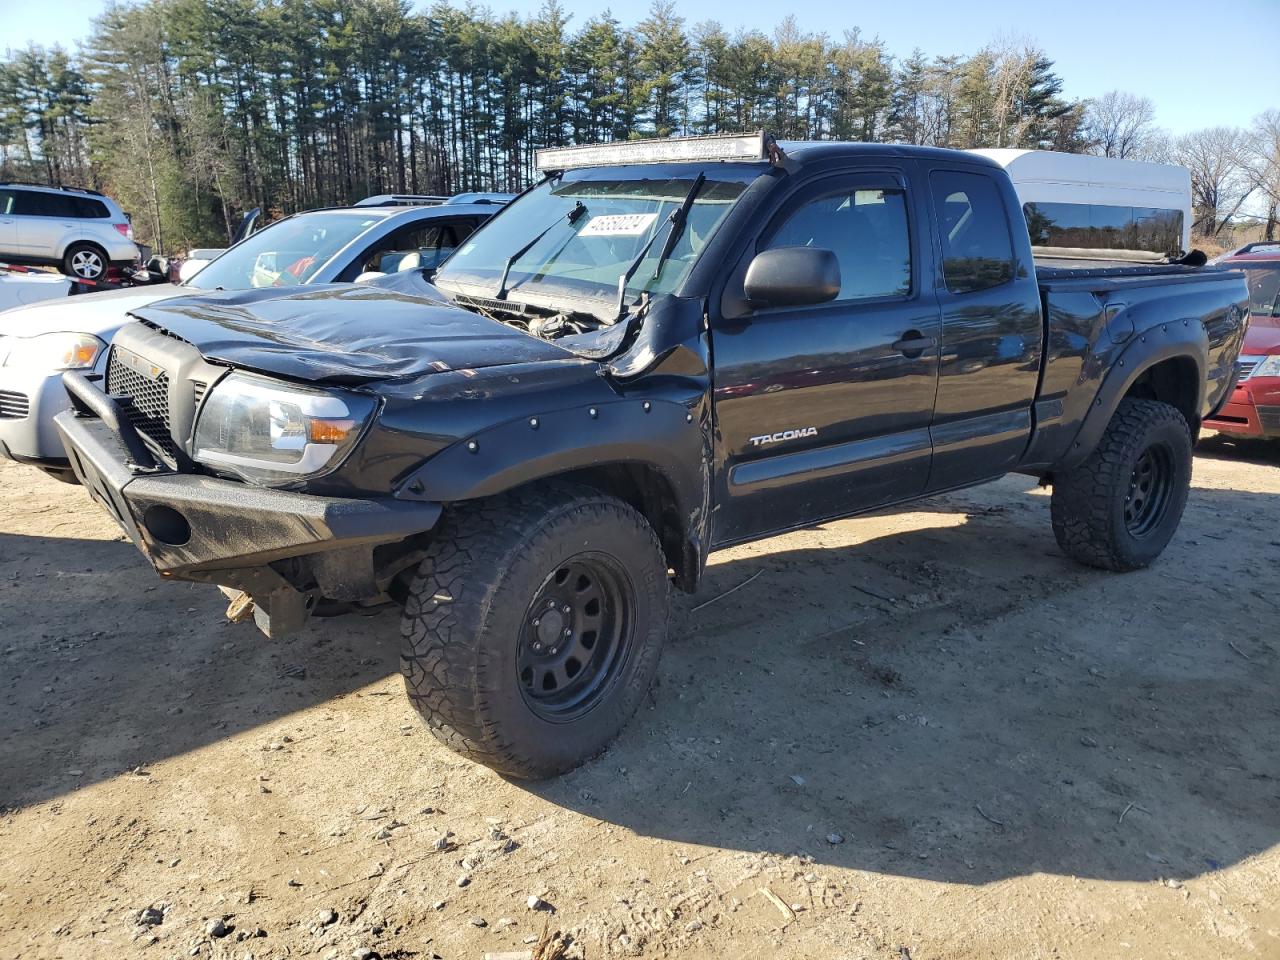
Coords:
922,735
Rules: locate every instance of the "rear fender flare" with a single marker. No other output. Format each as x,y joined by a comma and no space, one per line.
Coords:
1169,340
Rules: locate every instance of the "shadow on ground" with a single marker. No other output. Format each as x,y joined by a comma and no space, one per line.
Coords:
1221,447
105,667
1006,712
955,702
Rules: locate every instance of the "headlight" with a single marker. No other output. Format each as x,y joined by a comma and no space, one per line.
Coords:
52,351
268,432
1269,367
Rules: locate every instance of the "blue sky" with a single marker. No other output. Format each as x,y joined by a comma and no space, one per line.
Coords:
1202,64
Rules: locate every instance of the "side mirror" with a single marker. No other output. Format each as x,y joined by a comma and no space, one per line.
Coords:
792,277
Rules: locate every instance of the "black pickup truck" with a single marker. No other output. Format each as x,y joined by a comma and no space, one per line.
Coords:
661,349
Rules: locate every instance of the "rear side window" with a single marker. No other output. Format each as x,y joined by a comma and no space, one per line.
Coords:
88,208
867,231
977,253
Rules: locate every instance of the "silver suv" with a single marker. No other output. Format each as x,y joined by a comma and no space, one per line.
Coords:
81,232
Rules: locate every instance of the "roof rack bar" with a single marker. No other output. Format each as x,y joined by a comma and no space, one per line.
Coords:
51,186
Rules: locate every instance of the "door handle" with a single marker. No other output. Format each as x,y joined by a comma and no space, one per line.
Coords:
914,343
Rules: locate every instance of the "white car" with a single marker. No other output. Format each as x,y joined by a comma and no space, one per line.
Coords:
39,342
81,232
19,289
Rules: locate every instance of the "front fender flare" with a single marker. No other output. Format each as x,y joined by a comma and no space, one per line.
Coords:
668,436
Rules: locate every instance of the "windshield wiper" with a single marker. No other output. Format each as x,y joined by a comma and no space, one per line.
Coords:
571,217
677,221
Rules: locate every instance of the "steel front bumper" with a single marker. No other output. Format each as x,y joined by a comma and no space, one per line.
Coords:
192,526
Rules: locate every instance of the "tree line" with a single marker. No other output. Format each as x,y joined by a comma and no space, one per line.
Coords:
190,111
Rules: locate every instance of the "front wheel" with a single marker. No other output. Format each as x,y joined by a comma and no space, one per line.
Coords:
1119,509
534,626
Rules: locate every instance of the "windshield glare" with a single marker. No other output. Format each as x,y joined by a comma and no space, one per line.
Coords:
585,257
284,254
1264,290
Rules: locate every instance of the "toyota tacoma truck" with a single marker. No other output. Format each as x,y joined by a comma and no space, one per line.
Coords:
661,349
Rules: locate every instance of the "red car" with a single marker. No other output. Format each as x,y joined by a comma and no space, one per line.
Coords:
1253,410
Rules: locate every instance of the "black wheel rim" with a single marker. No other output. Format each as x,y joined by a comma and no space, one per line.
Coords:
1150,490
575,637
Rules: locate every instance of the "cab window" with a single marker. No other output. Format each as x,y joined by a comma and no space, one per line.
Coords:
867,231
977,253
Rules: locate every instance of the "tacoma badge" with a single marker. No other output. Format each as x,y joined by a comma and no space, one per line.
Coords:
797,434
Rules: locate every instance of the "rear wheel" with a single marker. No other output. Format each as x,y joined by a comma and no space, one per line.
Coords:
534,626
1119,509
84,261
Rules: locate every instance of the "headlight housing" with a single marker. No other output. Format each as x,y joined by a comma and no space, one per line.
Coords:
52,351
268,432
1269,367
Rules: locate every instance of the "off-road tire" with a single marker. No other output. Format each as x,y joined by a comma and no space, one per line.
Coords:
471,598
88,252
1089,501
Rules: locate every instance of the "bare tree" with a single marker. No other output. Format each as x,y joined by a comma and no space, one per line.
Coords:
1219,181
1119,123
1262,165
1157,147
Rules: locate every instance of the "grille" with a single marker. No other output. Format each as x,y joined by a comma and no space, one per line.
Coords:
197,391
13,406
149,410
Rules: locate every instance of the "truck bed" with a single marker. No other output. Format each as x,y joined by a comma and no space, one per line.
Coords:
1102,275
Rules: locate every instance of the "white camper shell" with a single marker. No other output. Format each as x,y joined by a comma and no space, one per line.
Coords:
1100,208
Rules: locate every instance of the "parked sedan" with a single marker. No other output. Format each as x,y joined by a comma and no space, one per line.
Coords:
39,342
1253,411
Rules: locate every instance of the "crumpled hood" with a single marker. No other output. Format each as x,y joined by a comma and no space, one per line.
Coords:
344,333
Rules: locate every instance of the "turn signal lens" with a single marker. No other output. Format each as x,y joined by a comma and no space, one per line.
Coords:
331,431
80,355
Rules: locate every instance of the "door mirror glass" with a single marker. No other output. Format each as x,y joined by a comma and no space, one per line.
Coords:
792,277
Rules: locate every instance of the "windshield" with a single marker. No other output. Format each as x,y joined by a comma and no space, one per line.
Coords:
286,253
583,252
1264,290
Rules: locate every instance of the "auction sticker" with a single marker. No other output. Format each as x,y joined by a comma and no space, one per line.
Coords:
618,225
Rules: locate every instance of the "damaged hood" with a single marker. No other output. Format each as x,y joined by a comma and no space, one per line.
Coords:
343,333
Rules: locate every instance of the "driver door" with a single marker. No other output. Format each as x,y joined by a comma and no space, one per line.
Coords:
824,410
